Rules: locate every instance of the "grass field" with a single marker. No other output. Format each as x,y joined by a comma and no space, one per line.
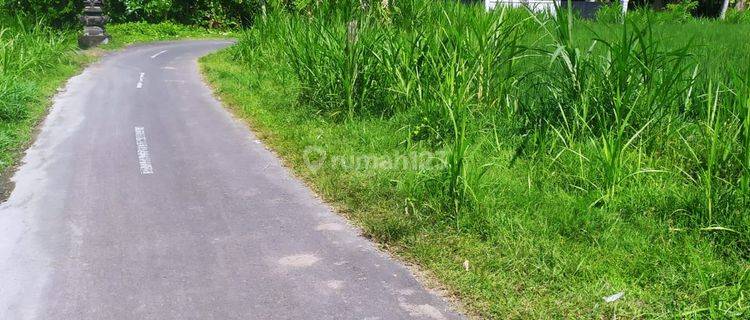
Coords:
532,165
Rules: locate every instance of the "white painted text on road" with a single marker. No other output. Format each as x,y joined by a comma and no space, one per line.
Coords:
144,158
140,80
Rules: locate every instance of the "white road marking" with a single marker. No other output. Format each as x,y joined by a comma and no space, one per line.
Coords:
144,158
140,81
158,54
169,68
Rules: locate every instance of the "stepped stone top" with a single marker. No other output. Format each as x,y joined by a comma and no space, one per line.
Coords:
93,20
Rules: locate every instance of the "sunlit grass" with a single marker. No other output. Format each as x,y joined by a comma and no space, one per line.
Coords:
34,60
582,158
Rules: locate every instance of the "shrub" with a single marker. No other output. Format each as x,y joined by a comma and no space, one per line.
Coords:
25,51
737,16
209,13
14,97
681,11
609,13
59,13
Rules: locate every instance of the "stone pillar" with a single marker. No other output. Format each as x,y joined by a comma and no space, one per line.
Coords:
93,19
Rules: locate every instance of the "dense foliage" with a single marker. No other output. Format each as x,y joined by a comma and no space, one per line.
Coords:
206,13
234,13
209,13
582,158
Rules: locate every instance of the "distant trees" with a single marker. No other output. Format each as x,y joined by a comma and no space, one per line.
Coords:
210,13
232,13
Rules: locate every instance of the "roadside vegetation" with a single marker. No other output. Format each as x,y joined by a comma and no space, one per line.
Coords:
34,60
532,164
575,159
128,33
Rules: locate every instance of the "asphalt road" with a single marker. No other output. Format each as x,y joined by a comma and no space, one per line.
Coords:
142,198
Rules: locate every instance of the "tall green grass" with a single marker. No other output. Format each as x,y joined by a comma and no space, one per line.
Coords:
581,157
34,59
26,50
600,111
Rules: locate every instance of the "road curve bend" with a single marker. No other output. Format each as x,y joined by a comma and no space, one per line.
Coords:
142,198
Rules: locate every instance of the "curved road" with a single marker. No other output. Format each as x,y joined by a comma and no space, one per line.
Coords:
142,198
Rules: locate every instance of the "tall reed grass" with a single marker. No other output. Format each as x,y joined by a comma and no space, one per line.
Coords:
599,113
627,122
26,51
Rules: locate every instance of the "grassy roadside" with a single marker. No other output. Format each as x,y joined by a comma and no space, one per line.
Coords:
36,61
267,100
538,241
16,135
529,269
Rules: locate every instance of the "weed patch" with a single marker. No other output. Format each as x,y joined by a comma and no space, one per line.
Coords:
582,159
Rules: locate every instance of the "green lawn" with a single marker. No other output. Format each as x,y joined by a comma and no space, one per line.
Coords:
556,197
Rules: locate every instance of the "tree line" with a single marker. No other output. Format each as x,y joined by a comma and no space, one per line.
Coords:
209,13
239,13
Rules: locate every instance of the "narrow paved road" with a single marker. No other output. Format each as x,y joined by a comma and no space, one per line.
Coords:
142,198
